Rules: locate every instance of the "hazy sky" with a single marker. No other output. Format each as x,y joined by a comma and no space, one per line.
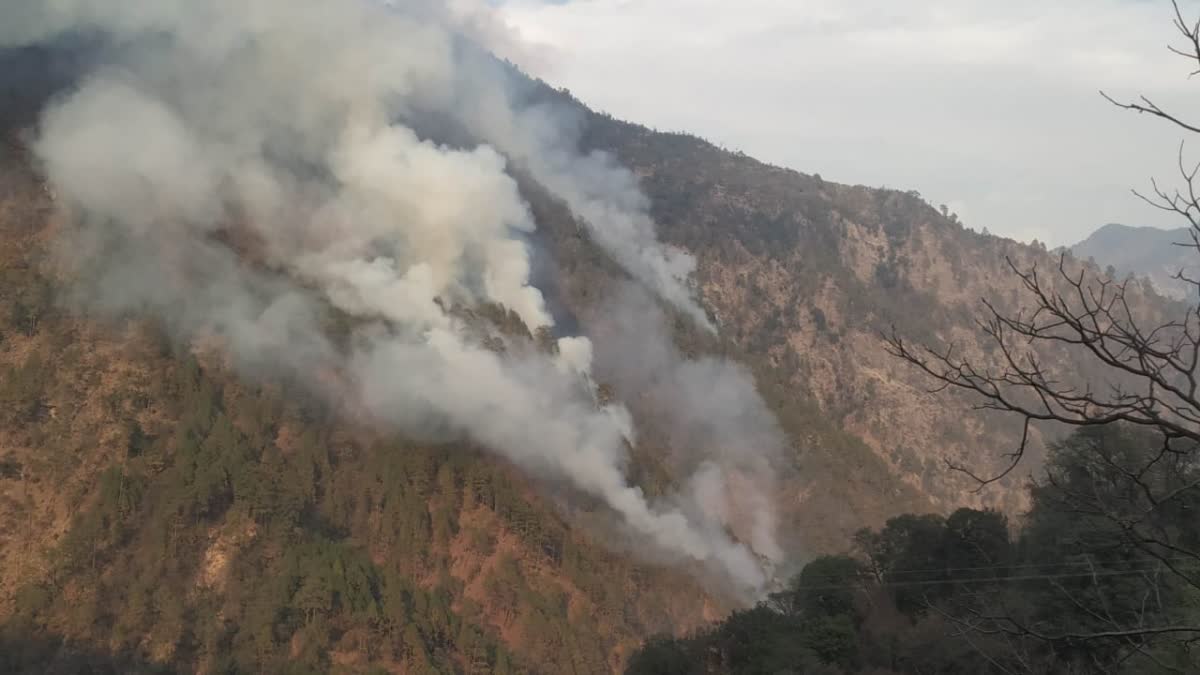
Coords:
989,107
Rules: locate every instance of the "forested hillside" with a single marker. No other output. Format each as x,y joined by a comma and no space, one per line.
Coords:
165,510
159,514
805,276
1067,592
149,494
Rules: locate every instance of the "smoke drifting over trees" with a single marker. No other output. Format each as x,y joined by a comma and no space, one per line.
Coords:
242,169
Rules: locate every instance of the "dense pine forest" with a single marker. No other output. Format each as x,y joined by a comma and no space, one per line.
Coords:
1067,590
177,518
578,397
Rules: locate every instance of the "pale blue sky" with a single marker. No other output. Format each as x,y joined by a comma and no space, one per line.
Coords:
989,107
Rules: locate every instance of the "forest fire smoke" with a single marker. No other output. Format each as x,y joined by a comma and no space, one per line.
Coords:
290,116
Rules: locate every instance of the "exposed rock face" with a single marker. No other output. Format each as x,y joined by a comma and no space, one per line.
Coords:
804,276
801,276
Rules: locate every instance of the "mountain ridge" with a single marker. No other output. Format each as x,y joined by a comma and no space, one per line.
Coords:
475,564
1151,252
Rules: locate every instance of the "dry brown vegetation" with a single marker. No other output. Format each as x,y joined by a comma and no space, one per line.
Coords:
159,511
806,277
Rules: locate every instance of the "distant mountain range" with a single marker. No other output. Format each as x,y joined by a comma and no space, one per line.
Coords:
1144,251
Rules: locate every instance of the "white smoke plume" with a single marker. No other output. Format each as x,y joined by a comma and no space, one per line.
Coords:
721,434
603,194
283,120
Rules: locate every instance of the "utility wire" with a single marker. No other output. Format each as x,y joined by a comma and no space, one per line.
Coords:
984,580
1036,566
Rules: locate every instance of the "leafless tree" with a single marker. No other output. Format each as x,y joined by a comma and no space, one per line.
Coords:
1152,384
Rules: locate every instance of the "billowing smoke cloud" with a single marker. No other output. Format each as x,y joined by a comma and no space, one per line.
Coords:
599,191
238,167
721,433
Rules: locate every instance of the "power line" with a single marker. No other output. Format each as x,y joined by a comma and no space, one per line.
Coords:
985,580
1037,566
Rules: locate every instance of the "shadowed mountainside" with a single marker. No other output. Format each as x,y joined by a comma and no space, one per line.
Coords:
154,505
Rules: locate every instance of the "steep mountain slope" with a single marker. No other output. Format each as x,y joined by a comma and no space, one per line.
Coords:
161,511
155,510
804,276
1143,251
